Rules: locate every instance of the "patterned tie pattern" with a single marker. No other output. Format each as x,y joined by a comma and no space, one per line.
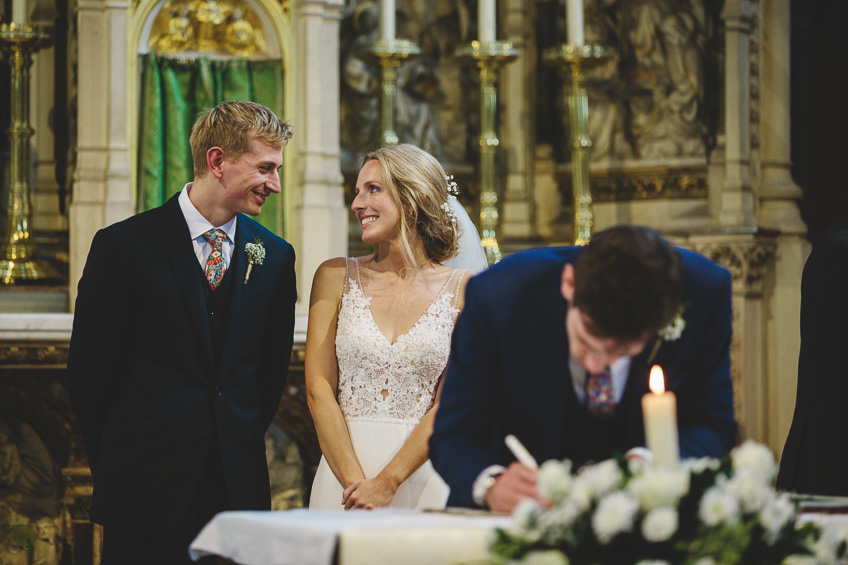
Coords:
215,262
600,399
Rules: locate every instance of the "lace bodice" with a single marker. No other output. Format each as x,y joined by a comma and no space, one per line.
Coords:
396,382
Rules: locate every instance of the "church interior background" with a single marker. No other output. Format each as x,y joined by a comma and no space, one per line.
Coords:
722,124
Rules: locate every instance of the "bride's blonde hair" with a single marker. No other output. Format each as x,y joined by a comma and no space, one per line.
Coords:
419,188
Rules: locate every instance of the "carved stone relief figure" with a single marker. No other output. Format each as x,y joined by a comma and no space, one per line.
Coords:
665,41
360,85
606,92
29,499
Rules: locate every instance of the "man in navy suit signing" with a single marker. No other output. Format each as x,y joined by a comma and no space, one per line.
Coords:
555,346
181,342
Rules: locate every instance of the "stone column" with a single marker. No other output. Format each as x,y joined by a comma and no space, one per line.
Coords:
749,259
101,192
779,197
737,196
320,223
516,80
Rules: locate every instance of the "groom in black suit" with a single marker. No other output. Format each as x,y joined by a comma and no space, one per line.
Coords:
555,345
182,336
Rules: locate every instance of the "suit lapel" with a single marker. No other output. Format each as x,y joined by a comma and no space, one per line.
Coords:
550,366
184,265
245,233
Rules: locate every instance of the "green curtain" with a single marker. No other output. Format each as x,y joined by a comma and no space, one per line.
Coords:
173,93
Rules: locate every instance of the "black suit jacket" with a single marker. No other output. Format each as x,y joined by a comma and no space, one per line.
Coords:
148,394
508,372
815,457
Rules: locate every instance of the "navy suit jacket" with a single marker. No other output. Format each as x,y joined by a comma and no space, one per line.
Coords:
508,371
815,458
144,383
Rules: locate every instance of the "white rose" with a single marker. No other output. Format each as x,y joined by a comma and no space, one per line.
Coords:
717,506
756,459
524,516
659,524
659,487
602,477
544,557
556,522
555,479
750,490
614,515
776,515
581,495
698,466
652,562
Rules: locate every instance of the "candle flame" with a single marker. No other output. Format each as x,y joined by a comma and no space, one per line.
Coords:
657,381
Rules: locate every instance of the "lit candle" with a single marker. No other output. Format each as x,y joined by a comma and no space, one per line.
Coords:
659,410
387,19
18,11
486,20
574,22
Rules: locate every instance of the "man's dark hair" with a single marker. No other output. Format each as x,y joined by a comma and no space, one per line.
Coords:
629,282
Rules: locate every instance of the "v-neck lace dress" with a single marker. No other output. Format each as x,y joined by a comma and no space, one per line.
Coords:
386,388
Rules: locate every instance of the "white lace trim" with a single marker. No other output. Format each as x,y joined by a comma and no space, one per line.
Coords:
386,382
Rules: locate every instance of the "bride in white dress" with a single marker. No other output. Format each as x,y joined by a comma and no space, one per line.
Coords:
379,337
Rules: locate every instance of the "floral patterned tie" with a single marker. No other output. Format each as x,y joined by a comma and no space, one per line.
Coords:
215,268
600,399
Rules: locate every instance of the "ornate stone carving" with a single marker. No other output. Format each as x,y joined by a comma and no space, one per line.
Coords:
747,261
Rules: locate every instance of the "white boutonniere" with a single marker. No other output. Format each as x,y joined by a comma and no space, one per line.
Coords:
675,327
255,256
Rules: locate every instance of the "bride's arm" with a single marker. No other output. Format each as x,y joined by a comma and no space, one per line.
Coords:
376,492
322,372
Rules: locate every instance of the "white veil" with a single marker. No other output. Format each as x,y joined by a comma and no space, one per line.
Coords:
471,255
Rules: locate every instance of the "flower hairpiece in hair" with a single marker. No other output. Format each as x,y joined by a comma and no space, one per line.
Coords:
453,189
453,192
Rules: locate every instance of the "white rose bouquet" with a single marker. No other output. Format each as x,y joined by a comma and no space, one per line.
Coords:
704,512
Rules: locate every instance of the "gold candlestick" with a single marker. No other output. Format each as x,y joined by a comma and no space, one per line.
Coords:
19,253
575,60
391,53
489,57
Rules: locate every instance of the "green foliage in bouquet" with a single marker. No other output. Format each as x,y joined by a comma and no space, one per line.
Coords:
704,512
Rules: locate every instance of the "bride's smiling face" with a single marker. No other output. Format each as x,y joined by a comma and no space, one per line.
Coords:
374,206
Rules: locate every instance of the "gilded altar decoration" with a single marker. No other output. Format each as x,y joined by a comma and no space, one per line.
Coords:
208,26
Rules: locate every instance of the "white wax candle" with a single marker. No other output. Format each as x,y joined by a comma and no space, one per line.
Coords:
574,22
659,410
18,11
486,20
387,19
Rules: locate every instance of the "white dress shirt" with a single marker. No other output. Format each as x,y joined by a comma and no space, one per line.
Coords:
198,225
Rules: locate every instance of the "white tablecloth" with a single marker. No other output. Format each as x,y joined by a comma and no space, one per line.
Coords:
384,536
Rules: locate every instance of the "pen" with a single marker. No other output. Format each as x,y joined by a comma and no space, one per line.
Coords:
520,452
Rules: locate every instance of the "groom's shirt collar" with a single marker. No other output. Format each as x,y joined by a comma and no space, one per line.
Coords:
198,225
